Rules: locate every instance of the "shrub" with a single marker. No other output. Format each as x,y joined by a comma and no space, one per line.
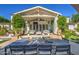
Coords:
75,18
77,27
62,24
2,31
18,23
69,33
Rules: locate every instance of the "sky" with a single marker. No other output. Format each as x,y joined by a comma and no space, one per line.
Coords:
6,10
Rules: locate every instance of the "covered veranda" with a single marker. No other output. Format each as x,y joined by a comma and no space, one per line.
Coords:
38,21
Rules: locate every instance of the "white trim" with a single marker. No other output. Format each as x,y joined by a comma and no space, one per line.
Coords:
38,16
37,7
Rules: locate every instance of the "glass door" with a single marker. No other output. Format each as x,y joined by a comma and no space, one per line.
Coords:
35,26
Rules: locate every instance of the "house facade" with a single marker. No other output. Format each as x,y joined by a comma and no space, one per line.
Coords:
5,25
39,19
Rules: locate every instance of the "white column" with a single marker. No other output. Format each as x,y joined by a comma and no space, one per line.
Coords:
55,25
27,27
11,22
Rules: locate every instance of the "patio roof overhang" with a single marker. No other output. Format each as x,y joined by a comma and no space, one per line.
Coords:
38,10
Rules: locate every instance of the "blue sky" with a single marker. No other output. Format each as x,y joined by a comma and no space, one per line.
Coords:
7,10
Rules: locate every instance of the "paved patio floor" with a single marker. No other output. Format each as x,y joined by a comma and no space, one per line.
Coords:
74,48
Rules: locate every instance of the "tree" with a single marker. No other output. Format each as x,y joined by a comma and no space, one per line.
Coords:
77,27
4,20
62,24
18,23
75,18
3,31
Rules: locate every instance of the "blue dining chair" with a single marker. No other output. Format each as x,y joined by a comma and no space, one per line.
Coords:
63,48
30,49
44,48
16,49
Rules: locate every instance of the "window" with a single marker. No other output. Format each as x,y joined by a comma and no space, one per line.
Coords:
46,27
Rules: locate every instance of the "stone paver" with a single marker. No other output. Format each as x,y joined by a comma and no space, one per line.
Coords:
8,42
53,36
74,48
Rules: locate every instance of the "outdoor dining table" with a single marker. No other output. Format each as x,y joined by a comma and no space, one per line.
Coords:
35,42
